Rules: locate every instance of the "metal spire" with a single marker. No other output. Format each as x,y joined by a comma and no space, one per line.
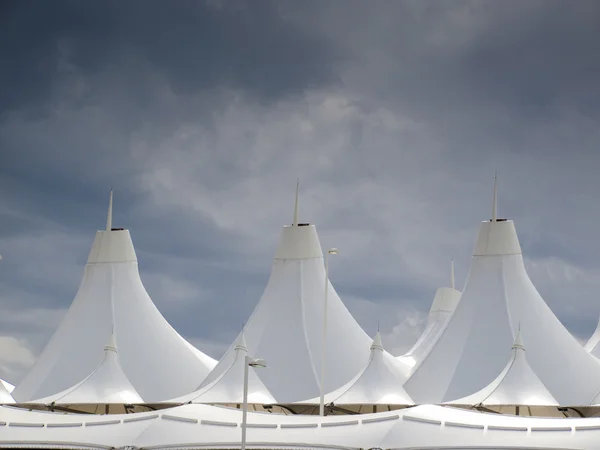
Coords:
452,285
495,199
110,205
296,204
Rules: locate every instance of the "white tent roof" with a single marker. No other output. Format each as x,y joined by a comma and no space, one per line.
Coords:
378,383
497,296
106,384
228,387
5,397
517,384
593,344
286,327
445,301
156,359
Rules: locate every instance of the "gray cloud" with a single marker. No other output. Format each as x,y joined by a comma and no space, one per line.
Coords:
394,116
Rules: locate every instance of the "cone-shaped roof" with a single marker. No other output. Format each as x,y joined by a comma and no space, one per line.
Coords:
156,359
444,303
378,383
286,327
517,384
106,384
229,386
498,295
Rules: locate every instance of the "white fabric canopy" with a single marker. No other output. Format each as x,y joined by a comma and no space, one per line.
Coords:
445,301
286,327
156,359
378,383
5,396
106,384
517,384
499,295
228,387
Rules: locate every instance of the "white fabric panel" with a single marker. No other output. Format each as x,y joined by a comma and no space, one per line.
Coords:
443,306
229,386
106,384
517,384
154,357
286,327
471,350
379,383
5,397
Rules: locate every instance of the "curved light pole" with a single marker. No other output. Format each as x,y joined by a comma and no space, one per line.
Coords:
331,251
248,362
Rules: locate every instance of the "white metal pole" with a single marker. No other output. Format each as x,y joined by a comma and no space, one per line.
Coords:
245,402
322,400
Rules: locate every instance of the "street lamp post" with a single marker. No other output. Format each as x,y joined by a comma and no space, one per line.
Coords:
331,251
248,362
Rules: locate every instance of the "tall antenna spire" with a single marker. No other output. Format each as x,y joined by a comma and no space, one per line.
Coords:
495,199
109,218
296,204
452,285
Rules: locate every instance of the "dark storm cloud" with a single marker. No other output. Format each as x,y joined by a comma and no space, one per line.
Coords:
196,45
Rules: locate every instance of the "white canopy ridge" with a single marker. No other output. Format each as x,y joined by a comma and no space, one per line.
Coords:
517,385
444,303
286,326
498,295
106,385
228,387
111,296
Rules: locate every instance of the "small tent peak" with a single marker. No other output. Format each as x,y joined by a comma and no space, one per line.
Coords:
241,343
452,284
296,203
112,344
110,208
518,344
495,199
377,344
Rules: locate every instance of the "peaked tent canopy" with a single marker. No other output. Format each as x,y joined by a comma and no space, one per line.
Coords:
497,296
286,327
155,358
228,387
517,385
444,304
106,386
378,383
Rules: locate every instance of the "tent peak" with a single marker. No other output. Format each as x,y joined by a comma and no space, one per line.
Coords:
241,343
377,344
518,344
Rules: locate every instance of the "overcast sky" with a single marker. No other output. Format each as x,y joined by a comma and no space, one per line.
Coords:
202,115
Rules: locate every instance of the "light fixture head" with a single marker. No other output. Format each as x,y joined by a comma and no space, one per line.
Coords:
257,362
332,251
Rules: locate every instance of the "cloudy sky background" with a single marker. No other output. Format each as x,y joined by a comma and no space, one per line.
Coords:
394,115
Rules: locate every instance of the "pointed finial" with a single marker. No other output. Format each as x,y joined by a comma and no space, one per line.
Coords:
377,344
518,344
241,343
110,205
452,285
378,326
296,205
495,199
112,342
